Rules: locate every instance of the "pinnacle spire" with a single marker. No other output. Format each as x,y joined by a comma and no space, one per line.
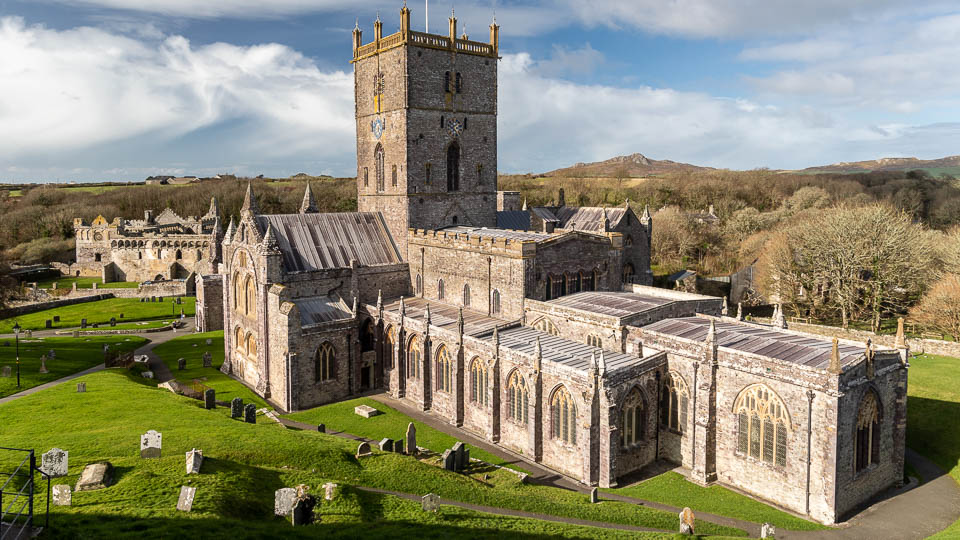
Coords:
379,298
524,204
496,336
900,342
460,321
601,365
250,201
214,210
403,308
725,310
228,236
309,204
355,306
835,358
712,333
739,311
270,240
426,314
646,212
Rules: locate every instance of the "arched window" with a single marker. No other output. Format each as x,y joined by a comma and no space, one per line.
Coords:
389,343
495,302
414,358
546,325
419,285
444,370
557,287
594,341
573,282
446,82
459,83
466,295
178,255
762,425
367,338
393,180
673,403
199,255
251,346
517,398
440,291
634,418
586,278
564,414
139,255
97,257
239,343
478,382
454,220
867,441
251,298
453,167
596,279
628,241
237,295
378,165
628,273
325,363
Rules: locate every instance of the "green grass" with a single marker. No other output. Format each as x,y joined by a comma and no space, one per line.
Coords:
86,283
392,423
73,355
141,325
673,489
225,386
244,464
100,312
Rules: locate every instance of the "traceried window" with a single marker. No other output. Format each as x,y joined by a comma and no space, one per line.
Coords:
251,345
444,370
564,415
367,337
634,419
378,164
479,382
573,282
762,425
414,358
446,83
673,403
389,346
239,342
237,293
594,341
517,398
325,363
867,441
628,241
466,296
546,325
628,273
249,307
495,302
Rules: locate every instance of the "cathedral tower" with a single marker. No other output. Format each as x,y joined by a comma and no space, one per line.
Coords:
426,112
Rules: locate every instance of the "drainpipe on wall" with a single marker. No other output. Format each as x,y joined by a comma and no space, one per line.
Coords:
810,395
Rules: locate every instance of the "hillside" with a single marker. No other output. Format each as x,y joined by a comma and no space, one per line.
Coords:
950,165
632,165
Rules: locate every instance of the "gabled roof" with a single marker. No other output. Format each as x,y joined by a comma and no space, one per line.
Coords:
311,242
588,218
319,309
517,220
444,315
545,214
484,232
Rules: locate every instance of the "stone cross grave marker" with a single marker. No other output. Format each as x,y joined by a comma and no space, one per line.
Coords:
55,462
181,364
207,359
594,495
194,461
363,450
283,500
29,334
411,439
150,443
767,531
250,413
449,460
686,521
458,449
62,496
329,489
43,364
386,445
81,387
6,372
236,407
95,476
430,502
185,503
209,399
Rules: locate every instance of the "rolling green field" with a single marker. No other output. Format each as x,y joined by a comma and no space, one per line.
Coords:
86,283
244,464
101,311
73,355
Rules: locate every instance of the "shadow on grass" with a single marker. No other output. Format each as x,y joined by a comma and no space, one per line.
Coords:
933,430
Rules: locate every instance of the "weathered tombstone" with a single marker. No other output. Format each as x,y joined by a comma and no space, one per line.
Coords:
594,495
179,300
194,461
207,359
209,399
55,462
106,347
411,439
52,354
83,323
329,490
283,500
81,387
449,460
6,372
185,503
363,450
398,446
236,407
250,413
113,321
322,428
49,323
686,521
76,334
121,315
430,502
302,512
386,445
62,496
153,298
466,458
29,334
150,443
458,456
95,476
209,341
54,285
56,318
147,374
365,411
767,531
159,299
43,364
181,364
142,300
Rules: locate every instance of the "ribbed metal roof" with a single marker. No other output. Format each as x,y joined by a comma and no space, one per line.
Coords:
323,241
545,214
616,304
562,351
445,315
587,218
518,220
762,340
318,309
484,232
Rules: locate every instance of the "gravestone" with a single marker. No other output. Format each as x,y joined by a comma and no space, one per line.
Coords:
147,374
29,334
54,285
363,450
250,413
411,439
209,341
55,462
81,387
329,489
121,315
113,321
194,461
95,476
207,359
62,496
185,503
466,459
386,445
594,495
686,521
6,343
430,502
302,512
52,354
322,428
49,323
159,299
83,323
142,300
449,460
365,411
56,318
76,334
43,364
95,325
209,399
398,446
179,300
150,443
458,454
283,500
6,372
236,407
767,531
153,298
181,364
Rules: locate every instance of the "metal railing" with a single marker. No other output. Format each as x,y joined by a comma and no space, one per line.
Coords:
17,494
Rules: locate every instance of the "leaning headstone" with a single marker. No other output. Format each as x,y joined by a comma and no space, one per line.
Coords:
95,476
121,315
62,496
83,323
56,318
458,456
329,489
49,323
430,502
363,450
686,521
386,445
186,498
365,411
150,443
81,387
6,372
43,364
250,413
55,462
302,512
398,446
113,321
411,439
236,407
181,364
594,495
449,460
283,500
207,359
322,428
194,461
767,531
209,399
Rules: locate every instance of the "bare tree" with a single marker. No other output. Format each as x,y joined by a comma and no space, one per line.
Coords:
940,308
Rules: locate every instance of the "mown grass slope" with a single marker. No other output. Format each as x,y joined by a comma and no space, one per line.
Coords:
101,311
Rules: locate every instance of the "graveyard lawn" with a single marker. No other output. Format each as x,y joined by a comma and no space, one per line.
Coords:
101,311
138,325
225,386
73,355
67,282
244,464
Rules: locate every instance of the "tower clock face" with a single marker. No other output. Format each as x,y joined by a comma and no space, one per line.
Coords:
377,126
454,128
97,236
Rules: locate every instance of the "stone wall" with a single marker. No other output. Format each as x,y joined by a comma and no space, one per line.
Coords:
209,303
42,306
509,201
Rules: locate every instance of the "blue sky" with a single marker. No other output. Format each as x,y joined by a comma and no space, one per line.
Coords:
121,89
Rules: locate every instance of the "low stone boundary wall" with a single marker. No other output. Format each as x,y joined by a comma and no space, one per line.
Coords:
916,345
42,306
107,331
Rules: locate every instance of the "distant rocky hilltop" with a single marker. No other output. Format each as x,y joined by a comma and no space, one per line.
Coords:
632,165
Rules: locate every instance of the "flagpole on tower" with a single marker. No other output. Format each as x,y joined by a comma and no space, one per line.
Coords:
426,13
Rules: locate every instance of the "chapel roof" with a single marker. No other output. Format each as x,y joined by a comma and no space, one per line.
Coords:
588,218
616,304
445,315
484,232
517,220
320,309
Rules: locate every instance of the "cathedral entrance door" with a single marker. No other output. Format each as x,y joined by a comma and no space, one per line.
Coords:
365,372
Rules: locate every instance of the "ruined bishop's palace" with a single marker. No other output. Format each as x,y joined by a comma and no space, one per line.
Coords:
534,328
